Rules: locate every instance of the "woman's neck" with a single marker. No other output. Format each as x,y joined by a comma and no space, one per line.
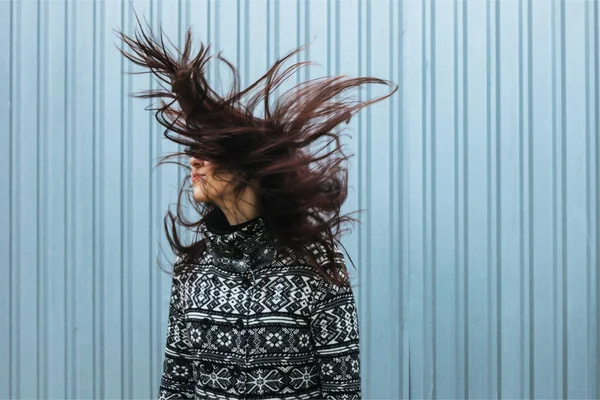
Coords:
242,210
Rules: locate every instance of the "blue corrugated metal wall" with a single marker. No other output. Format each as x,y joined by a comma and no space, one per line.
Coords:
478,253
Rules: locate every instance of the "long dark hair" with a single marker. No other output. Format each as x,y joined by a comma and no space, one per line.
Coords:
301,189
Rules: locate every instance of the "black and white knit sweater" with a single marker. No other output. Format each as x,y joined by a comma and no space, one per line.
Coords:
248,323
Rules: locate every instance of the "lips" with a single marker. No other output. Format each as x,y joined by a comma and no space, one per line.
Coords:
197,177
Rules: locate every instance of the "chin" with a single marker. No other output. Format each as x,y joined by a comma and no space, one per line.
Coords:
201,199
200,196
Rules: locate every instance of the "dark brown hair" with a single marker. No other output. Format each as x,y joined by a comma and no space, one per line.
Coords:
301,188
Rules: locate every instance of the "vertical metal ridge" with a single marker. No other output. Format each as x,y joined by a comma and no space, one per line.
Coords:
14,354
531,209
95,237
188,16
363,124
597,180
465,63
403,237
159,183
522,264
307,35
410,395
154,289
10,203
367,156
122,225
328,41
72,143
128,168
98,173
395,172
488,105
70,200
298,35
43,215
180,41
238,38
38,184
158,283
391,150
498,248
424,100
588,205
153,293
563,180
276,27
17,196
66,208
337,36
269,40
45,278
455,188
458,257
433,201
246,43
365,345
101,233
393,240
554,199
216,13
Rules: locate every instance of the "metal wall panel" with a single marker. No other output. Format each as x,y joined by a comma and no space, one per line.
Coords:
477,254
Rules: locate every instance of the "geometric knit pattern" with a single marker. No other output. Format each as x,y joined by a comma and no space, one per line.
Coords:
248,323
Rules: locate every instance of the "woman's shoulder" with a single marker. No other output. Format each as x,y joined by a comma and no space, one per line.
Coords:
320,251
320,265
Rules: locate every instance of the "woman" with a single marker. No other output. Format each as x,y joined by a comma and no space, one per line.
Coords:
261,307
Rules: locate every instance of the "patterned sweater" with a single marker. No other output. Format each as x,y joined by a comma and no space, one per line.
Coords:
248,323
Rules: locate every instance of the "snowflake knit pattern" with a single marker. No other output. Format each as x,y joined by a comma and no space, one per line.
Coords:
248,323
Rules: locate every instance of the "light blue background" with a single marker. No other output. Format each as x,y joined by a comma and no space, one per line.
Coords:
478,251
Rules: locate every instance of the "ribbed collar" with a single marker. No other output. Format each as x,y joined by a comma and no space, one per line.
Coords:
238,247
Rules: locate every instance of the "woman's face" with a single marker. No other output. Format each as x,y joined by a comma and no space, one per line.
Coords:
207,186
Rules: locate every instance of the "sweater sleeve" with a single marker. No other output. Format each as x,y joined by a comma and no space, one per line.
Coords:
177,378
334,327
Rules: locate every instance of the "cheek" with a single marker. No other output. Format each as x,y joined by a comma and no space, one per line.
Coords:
220,188
212,187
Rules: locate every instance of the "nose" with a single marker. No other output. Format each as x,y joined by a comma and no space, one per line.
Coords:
196,162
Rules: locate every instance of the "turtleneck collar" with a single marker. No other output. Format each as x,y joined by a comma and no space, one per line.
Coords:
217,222
237,247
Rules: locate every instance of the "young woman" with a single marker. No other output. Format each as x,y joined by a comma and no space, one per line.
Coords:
261,306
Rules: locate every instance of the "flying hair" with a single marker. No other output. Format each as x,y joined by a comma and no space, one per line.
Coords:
293,148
